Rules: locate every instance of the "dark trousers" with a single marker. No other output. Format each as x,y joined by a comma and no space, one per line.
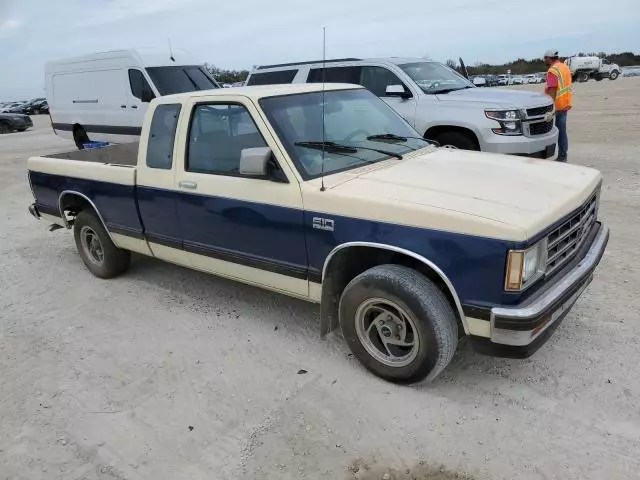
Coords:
563,140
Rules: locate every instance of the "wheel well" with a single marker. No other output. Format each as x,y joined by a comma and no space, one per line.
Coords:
433,132
350,262
72,203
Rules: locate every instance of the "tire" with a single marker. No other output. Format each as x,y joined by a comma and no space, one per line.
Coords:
459,140
582,77
80,137
614,75
598,78
4,128
22,129
414,311
103,258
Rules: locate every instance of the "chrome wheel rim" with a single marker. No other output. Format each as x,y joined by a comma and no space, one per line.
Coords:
92,245
387,332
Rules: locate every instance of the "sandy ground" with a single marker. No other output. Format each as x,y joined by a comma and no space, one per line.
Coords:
166,373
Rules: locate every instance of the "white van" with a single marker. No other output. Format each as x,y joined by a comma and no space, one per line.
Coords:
104,96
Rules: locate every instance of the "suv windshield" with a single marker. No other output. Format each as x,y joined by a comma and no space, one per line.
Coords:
433,77
351,119
180,79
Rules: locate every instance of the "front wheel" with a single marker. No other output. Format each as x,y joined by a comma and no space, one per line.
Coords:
582,77
615,74
98,252
459,140
398,324
4,128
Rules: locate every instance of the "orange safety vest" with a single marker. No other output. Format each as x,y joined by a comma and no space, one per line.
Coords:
564,92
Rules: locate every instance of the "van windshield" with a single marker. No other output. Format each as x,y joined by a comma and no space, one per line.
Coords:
180,79
433,77
354,122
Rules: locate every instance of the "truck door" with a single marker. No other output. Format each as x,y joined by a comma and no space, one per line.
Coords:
155,181
236,226
139,94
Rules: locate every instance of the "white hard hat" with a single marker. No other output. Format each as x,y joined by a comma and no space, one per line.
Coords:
551,53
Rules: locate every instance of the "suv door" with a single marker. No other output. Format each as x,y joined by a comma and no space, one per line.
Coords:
374,78
241,227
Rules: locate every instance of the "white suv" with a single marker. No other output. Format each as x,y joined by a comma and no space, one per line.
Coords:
438,102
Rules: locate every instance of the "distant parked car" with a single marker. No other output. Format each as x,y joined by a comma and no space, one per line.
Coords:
503,80
10,122
517,80
479,81
631,71
36,107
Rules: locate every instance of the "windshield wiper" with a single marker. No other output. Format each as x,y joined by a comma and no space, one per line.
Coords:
447,90
333,147
392,137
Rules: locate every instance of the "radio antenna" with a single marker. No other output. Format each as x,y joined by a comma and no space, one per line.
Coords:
324,74
170,51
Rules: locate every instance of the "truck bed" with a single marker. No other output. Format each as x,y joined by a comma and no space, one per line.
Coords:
125,154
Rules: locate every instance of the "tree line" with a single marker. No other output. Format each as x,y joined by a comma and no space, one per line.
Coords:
520,66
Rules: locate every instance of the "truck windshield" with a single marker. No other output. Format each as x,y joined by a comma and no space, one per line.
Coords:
353,122
433,77
180,79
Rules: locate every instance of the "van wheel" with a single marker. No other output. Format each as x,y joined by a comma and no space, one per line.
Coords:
614,75
460,140
398,324
80,137
96,249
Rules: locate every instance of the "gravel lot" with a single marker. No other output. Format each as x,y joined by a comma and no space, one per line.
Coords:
167,373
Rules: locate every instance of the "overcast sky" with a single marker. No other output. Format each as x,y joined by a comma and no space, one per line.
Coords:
240,33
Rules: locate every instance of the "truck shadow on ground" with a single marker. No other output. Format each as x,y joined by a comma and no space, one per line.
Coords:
216,296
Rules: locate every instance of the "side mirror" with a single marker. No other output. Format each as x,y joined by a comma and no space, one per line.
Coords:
397,91
147,96
254,162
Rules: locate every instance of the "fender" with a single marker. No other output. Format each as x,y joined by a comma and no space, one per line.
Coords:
93,205
327,324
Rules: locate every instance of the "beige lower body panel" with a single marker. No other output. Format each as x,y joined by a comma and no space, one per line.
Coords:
294,287
132,244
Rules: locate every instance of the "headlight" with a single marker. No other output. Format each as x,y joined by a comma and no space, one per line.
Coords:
524,267
510,121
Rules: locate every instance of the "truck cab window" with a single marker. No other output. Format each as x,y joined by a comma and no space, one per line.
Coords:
140,88
377,79
162,135
217,136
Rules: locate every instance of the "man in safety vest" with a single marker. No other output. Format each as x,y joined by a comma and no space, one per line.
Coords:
560,88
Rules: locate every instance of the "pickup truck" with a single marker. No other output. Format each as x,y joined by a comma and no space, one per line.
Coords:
328,195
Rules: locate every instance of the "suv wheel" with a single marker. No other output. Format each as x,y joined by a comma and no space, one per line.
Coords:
398,324
460,140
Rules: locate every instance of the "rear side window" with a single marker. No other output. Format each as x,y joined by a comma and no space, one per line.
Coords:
377,79
335,75
162,135
272,78
139,86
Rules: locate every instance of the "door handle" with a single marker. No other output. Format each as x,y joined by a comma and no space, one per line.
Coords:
189,185
134,106
123,106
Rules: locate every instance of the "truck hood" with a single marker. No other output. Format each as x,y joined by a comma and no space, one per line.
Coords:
528,195
500,97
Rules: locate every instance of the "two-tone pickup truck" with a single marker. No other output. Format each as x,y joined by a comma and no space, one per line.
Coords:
331,197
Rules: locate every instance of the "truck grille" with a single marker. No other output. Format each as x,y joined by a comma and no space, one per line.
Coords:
564,241
539,111
540,128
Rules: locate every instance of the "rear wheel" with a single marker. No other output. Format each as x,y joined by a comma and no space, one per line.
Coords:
96,249
460,140
615,74
582,77
80,137
4,128
398,324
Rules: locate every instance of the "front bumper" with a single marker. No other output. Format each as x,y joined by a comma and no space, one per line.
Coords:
519,331
519,144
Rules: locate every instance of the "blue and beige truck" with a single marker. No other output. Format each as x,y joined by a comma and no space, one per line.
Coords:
328,195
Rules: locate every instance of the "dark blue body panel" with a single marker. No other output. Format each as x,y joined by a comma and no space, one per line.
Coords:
116,203
263,233
281,239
